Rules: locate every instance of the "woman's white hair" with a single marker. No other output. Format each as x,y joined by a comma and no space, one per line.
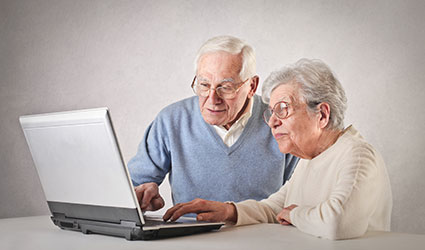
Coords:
317,84
233,46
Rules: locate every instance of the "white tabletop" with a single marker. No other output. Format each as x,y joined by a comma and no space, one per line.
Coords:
40,233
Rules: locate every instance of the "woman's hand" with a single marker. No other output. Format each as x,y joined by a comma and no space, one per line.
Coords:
207,211
283,217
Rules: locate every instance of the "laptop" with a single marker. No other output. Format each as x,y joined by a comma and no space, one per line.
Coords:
85,180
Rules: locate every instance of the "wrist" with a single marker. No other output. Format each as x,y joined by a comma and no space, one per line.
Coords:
231,212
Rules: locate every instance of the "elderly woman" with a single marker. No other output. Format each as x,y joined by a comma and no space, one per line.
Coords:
340,188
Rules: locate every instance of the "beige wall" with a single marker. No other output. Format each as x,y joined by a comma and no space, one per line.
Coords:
137,56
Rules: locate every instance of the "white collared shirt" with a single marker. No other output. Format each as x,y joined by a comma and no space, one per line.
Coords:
230,136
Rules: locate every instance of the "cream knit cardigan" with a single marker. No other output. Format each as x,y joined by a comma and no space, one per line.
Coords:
341,193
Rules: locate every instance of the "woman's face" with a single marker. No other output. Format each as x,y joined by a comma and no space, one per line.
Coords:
300,131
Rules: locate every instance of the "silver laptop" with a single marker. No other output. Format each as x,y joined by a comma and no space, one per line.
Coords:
85,180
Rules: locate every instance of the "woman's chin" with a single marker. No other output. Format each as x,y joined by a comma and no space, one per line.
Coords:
284,148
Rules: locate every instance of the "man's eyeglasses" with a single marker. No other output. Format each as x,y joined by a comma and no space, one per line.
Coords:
227,90
280,109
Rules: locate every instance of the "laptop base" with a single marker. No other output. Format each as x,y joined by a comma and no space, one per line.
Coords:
127,229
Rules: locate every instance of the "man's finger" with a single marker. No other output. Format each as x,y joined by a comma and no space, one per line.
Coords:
171,211
195,206
147,197
146,192
155,204
139,192
185,209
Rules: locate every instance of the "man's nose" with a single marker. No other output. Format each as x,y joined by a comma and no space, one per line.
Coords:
215,99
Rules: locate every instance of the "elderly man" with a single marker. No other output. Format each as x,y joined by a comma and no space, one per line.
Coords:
340,188
214,145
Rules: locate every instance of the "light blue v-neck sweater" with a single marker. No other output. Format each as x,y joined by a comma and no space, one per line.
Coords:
181,143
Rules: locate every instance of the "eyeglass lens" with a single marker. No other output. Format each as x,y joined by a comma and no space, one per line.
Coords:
280,109
225,91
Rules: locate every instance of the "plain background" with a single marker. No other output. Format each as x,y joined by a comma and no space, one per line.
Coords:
136,57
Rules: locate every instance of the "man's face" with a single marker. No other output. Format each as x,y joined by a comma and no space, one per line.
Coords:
216,68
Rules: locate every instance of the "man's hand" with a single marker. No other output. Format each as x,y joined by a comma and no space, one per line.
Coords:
207,211
283,217
148,197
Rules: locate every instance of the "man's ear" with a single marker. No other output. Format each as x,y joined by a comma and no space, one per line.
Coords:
324,114
254,84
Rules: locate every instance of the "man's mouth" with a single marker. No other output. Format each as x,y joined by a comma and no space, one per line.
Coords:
216,111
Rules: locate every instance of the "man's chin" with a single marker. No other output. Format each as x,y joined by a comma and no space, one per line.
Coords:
213,121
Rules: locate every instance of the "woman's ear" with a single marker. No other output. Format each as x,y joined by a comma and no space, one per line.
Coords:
324,114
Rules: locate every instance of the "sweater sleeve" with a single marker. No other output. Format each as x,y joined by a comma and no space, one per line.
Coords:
345,214
265,211
152,161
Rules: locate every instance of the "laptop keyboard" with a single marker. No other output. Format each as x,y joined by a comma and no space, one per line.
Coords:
152,220
160,222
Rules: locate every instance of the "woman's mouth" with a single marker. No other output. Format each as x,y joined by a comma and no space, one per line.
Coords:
279,135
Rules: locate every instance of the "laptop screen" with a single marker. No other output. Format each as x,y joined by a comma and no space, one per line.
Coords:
78,160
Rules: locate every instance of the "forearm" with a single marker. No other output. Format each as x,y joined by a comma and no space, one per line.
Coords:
151,162
264,211
253,212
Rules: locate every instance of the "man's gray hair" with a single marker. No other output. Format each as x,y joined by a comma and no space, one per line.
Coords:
317,84
233,46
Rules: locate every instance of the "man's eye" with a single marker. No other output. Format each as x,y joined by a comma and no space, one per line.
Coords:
227,88
204,85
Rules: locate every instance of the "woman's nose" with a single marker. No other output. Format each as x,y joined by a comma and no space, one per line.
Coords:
274,121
